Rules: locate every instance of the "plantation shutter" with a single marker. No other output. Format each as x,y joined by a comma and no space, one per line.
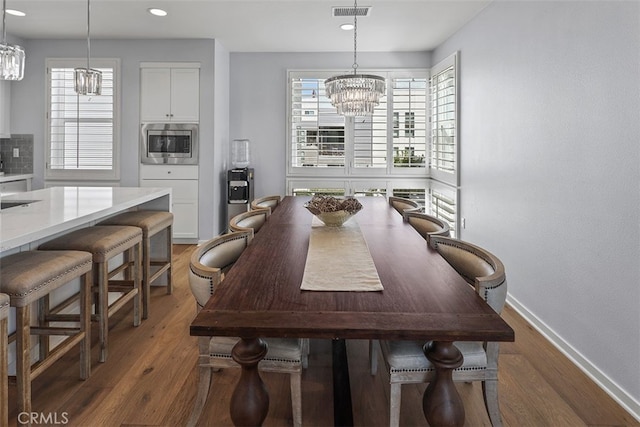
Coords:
409,122
444,126
442,205
81,126
370,138
317,130
82,138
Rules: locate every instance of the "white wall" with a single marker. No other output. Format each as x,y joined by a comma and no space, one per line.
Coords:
258,101
218,180
29,105
550,171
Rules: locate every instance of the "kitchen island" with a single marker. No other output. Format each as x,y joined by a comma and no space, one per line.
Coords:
40,215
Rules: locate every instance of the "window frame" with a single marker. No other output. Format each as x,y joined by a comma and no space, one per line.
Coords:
112,174
349,170
448,178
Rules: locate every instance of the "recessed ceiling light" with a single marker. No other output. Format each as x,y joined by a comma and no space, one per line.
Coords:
157,12
15,12
347,27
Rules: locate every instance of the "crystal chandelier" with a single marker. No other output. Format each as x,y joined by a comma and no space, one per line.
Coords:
88,81
11,56
355,94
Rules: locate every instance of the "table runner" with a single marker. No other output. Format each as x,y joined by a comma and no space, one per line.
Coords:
338,259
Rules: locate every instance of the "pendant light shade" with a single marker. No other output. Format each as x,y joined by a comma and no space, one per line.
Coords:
11,56
355,94
88,81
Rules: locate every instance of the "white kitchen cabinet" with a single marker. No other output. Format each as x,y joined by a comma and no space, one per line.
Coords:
183,181
5,109
10,185
169,94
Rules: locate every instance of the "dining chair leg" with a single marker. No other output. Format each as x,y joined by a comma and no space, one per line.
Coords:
373,356
204,382
296,398
394,404
490,394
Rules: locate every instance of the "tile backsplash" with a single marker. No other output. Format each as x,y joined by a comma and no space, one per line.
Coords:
24,162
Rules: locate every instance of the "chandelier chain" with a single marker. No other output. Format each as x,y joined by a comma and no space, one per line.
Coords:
4,23
88,32
355,36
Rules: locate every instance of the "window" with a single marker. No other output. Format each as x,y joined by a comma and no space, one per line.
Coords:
392,141
444,122
443,150
82,130
408,147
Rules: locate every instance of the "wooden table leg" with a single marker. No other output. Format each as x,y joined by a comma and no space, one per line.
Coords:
250,399
442,404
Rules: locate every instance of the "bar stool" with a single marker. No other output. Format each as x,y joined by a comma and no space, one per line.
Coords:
151,223
29,277
4,371
105,242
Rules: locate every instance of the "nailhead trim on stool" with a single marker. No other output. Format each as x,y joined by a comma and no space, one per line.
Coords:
29,277
151,223
104,242
4,383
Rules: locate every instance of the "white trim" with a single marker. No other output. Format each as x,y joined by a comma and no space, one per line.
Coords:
609,386
83,175
169,65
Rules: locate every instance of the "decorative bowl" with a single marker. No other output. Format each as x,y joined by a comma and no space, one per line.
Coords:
333,211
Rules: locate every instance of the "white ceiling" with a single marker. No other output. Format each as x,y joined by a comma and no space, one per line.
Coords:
250,25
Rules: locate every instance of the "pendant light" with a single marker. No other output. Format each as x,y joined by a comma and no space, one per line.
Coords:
88,81
355,94
11,56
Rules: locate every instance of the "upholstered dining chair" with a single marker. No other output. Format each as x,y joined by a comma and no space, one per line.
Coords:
405,360
251,220
208,265
426,224
267,202
403,205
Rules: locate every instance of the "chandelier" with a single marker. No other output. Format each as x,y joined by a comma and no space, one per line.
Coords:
11,56
88,81
355,94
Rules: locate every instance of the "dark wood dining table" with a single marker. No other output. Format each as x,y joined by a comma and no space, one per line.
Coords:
423,299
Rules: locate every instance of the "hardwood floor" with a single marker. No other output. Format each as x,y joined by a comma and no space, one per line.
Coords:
150,380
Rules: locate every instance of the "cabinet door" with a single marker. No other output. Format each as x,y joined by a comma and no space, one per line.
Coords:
185,94
155,94
5,116
184,205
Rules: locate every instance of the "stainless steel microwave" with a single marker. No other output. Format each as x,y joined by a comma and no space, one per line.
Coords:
169,143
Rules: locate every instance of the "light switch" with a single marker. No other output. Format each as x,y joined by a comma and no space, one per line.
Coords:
16,152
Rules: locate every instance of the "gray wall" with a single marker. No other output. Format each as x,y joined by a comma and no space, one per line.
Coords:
259,101
550,166
28,104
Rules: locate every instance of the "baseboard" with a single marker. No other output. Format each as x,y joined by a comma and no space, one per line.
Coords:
623,398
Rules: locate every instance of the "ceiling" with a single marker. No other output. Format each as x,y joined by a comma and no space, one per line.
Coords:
250,25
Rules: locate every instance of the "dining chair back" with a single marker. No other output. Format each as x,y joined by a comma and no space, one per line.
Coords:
405,360
403,205
267,202
251,220
208,265
426,224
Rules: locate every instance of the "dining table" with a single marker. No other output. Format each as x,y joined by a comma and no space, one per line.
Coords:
421,297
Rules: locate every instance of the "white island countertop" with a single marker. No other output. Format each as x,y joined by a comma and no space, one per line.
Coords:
60,209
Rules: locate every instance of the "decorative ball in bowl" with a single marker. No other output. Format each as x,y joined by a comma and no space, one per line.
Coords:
333,211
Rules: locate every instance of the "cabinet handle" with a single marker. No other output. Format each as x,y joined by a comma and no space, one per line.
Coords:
166,115
169,172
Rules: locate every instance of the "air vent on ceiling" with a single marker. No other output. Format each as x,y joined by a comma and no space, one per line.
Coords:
339,11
